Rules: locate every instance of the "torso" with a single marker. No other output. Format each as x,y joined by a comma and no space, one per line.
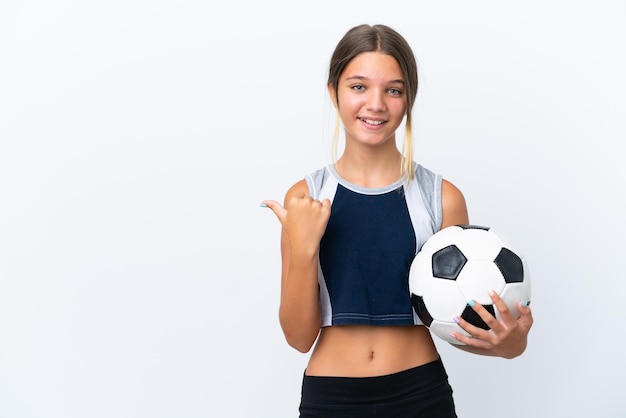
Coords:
369,349
362,351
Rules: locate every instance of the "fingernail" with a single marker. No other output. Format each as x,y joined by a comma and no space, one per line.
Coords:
263,205
492,292
471,303
525,304
456,319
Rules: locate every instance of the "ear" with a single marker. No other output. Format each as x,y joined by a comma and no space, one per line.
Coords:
333,95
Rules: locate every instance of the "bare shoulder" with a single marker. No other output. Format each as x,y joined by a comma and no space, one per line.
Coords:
453,205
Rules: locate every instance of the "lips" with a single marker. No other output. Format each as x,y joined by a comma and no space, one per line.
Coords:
374,122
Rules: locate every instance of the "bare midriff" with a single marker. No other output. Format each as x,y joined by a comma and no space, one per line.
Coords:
365,351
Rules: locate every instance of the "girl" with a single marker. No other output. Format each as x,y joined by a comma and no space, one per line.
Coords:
349,234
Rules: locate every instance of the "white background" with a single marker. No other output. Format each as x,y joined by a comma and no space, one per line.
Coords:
140,278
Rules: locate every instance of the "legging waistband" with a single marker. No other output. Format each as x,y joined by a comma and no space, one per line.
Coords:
386,388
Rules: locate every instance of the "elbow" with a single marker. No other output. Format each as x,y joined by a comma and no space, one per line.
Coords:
300,336
300,333
301,342
302,346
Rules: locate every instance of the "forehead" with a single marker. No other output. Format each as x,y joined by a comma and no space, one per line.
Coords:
374,66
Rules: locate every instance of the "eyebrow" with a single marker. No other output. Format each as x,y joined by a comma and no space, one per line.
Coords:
360,77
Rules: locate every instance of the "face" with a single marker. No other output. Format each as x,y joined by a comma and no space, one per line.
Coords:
371,98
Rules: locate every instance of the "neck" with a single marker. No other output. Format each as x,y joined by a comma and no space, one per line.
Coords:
370,169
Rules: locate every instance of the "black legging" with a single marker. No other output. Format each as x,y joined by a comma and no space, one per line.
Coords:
420,392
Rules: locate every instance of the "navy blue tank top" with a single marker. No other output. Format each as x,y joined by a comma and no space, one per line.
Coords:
372,236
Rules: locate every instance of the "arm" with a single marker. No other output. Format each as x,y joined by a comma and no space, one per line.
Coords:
453,206
303,222
506,338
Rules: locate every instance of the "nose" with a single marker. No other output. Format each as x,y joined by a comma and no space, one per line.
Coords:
376,101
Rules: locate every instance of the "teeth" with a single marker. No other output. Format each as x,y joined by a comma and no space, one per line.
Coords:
373,122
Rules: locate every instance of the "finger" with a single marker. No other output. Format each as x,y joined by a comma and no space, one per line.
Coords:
472,330
277,208
469,340
491,322
326,207
526,317
502,307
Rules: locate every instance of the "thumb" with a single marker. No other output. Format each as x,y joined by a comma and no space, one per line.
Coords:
277,208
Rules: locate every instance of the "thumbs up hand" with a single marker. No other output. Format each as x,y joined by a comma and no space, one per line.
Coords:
303,218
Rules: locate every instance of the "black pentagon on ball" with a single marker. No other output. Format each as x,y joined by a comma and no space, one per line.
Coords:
448,262
470,315
510,266
420,310
484,228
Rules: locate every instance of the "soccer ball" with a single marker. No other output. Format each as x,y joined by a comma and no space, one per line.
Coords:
462,263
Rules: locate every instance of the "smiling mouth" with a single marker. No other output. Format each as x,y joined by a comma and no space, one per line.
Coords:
372,121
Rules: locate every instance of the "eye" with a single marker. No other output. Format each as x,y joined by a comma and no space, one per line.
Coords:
394,91
358,87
